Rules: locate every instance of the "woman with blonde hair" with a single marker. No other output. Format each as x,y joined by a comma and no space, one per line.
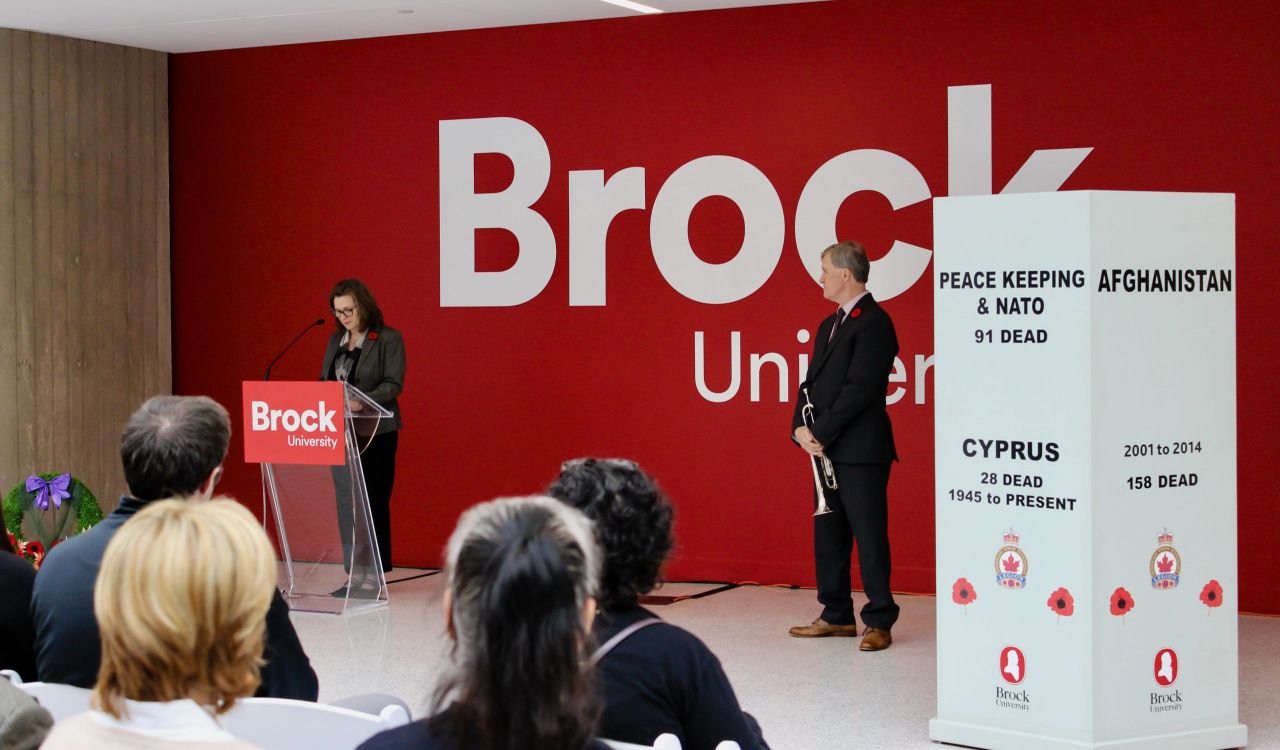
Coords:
181,602
518,606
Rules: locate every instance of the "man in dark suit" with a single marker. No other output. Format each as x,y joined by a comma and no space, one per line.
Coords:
848,376
173,446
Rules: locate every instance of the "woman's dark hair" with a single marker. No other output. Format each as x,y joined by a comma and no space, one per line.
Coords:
520,572
369,312
632,519
5,546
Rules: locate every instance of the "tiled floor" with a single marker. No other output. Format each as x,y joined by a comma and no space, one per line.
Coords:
808,694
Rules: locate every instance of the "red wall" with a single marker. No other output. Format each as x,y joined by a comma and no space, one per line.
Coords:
295,166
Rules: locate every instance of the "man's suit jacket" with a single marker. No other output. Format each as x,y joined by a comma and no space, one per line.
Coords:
67,644
379,371
847,382
17,634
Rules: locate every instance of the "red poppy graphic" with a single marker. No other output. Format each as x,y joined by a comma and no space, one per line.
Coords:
856,312
1062,603
1211,594
1121,602
962,592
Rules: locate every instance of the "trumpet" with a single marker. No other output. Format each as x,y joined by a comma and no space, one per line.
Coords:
824,473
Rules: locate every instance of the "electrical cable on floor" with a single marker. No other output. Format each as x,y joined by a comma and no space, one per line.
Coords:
721,586
416,577
663,600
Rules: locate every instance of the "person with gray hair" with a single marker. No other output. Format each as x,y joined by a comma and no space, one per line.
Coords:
520,597
172,446
848,377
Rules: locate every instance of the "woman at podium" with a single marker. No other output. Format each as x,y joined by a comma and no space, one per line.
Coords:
368,354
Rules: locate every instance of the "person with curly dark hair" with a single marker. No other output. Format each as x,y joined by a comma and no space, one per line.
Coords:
656,677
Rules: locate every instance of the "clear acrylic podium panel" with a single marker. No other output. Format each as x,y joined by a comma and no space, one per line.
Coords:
329,559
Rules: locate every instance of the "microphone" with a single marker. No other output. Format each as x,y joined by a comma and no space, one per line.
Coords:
319,322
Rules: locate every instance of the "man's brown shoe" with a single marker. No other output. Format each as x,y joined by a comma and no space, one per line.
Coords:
875,639
820,628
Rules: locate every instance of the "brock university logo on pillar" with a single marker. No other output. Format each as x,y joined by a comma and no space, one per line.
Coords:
294,423
1166,667
1013,665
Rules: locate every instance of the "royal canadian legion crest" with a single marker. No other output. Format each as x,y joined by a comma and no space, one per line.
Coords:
1166,564
1011,563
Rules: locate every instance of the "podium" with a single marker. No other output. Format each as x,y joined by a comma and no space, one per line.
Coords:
329,559
1086,471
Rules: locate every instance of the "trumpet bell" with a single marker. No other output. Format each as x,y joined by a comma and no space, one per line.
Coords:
819,490
822,508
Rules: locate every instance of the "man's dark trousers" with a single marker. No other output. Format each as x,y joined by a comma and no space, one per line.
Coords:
861,514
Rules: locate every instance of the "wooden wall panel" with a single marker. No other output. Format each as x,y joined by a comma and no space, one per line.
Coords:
102,286
84,252
164,322
8,263
23,113
77,440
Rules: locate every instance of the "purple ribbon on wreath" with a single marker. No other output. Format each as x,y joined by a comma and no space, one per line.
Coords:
57,489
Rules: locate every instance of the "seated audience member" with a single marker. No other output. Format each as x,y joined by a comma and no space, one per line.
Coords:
655,676
23,723
17,635
518,608
181,601
173,446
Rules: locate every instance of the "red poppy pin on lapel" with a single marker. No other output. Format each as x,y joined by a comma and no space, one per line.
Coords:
856,312
373,336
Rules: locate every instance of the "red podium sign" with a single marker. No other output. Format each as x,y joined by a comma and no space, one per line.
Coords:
298,422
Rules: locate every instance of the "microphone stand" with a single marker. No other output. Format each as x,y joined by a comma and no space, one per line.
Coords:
318,322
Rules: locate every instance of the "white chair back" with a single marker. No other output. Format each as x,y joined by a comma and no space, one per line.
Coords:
663,742
282,724
60,701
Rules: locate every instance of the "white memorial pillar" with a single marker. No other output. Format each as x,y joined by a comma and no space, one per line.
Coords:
1086,471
